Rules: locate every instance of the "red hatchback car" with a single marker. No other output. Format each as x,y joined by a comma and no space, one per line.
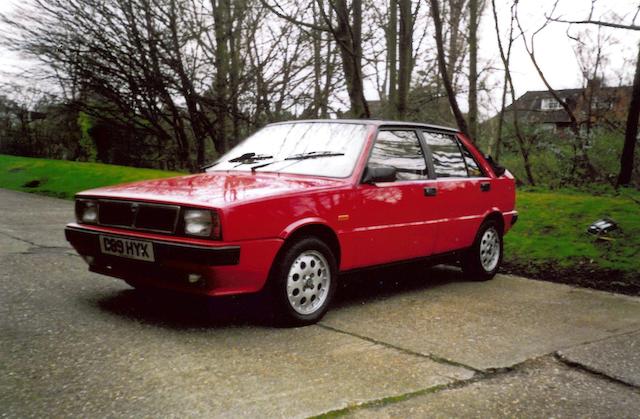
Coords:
297,203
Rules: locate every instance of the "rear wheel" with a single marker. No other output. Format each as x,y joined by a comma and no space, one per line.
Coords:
303,282
482,261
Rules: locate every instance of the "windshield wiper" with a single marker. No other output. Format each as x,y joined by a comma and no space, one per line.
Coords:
313,155
248,158
302,156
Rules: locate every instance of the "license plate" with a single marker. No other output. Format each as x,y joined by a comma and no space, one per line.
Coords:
132,249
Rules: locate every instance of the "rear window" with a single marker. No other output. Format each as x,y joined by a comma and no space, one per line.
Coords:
447,158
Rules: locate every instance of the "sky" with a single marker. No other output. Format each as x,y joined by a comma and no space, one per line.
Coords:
554,50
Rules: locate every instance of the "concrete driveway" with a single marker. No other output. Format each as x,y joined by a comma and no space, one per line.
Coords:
400,342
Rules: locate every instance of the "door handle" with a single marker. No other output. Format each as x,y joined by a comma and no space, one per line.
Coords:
430,191
485,186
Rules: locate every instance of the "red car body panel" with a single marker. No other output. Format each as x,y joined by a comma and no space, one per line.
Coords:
374,223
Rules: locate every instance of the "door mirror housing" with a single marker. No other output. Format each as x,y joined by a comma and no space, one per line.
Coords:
379,174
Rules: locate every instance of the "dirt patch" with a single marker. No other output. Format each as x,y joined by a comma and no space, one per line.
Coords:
581,275
16,170
32,183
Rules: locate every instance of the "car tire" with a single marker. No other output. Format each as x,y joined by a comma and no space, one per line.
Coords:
482,261
302,282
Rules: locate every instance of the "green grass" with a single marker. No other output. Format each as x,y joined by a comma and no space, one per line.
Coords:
63,179
551,230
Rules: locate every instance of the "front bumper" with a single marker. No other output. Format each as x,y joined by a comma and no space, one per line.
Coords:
223,268
165,251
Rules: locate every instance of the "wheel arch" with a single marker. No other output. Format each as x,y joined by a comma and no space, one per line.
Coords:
495,215
316,228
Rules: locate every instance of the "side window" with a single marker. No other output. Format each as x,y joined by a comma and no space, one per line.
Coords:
400,149
447,158
472,164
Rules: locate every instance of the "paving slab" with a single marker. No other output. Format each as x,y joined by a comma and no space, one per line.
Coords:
485,325
617,357
38,220
541,389
75,344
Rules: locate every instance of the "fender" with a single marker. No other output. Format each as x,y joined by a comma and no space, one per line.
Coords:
301,223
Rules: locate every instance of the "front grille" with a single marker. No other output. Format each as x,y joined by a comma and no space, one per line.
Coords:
138,215
120,214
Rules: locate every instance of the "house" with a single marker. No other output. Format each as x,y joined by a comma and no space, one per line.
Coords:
595,105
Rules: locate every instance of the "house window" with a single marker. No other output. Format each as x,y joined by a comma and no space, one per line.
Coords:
602,104
550,104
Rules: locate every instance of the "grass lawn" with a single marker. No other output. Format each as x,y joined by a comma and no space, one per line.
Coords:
550,238
548,242
62,179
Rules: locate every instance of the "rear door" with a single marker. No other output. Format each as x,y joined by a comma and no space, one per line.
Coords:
395,219
463,191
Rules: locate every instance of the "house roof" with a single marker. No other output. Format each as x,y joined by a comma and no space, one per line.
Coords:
530,102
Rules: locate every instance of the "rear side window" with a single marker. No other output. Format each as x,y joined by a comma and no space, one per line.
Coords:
400,149
447,158
472,165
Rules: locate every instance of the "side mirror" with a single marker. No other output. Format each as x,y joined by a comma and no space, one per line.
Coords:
497,169
379,174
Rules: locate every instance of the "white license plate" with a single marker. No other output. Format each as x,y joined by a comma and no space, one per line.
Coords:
132,249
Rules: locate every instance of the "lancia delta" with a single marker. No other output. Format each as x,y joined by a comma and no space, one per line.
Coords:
295,205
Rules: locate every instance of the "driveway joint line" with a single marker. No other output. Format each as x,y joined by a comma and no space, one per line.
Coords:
455,384
432,357
592,371
601,339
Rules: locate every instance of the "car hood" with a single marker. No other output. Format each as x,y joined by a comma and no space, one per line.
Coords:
214,189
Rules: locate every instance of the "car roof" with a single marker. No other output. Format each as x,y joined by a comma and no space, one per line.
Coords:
376,122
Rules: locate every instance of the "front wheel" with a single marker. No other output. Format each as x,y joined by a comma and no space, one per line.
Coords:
482,261
303,282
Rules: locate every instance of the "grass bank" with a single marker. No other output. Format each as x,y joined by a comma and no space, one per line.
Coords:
549,241
62,179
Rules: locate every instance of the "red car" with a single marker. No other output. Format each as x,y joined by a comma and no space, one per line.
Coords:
297,203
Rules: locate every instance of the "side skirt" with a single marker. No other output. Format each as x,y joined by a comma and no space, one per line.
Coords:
442,258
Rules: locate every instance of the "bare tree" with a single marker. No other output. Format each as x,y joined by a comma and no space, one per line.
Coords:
444,74
495,143
523,144
405,47
591,20
474,19
344,22
581,161
631,132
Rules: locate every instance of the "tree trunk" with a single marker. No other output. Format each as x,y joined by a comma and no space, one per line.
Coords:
220,14
631,132
494,146
317,66
446,80
392,58
473,69
405,47
349,39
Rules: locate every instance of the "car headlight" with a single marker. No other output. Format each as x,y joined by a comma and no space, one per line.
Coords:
87,211
203,223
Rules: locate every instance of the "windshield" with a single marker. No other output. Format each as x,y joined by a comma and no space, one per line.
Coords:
306,148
